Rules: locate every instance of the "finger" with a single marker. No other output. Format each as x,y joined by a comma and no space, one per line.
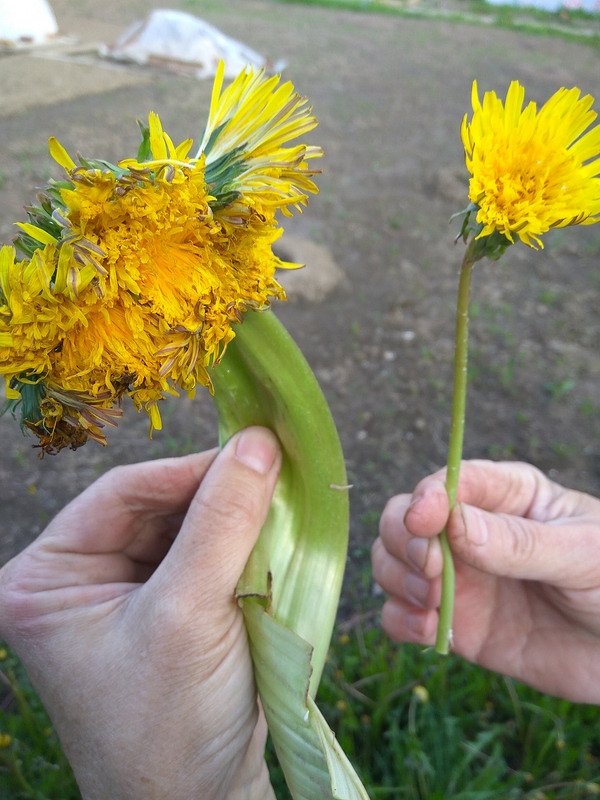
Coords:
399,580
509,487
565,555
111,513
421,554
224,519
392,530
405,623
427,512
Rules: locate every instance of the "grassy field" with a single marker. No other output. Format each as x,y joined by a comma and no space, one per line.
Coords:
571,24
415,725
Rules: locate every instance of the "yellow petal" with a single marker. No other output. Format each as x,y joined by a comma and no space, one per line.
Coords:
155,419
157,138
60,155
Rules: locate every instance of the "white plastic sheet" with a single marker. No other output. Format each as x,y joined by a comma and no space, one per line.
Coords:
177,39
26,22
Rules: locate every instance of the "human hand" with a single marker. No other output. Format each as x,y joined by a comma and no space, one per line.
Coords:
527,558
123,613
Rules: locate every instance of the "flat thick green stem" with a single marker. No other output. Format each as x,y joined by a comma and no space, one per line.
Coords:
300,556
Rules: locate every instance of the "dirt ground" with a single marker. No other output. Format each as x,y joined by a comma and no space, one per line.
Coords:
390,93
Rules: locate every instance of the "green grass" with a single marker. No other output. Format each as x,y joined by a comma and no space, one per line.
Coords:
558,389
420,726
415,725
568,24
32,765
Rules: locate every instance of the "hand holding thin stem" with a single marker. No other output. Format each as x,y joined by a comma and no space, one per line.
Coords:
455,448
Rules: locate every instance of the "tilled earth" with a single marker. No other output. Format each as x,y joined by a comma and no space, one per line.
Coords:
390,93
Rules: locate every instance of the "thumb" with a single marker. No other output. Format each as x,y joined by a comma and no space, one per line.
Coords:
224,518
515,547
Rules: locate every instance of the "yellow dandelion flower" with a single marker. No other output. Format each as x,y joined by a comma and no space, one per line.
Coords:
135,275
421,693
248,124
532,170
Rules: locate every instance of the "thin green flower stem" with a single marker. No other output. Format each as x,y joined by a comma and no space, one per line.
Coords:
455,448
25,709
14,765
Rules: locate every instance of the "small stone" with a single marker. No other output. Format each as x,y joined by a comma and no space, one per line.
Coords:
317,279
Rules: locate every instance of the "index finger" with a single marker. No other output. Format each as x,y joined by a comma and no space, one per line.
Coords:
508,487
108,516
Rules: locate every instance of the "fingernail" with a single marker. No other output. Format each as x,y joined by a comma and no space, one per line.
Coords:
416,589
474,529
417,551
257,448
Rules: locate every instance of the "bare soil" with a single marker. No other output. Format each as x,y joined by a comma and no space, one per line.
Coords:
390,93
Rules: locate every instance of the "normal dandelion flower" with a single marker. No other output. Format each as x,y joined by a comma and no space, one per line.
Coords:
532,170
133,276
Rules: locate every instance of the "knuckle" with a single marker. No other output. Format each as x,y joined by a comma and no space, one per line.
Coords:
378,554
392,517
376,549
19,605
114,476
522,542
173,617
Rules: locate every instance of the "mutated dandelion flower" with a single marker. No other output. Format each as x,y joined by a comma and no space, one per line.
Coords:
134,275
130,281
532,170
